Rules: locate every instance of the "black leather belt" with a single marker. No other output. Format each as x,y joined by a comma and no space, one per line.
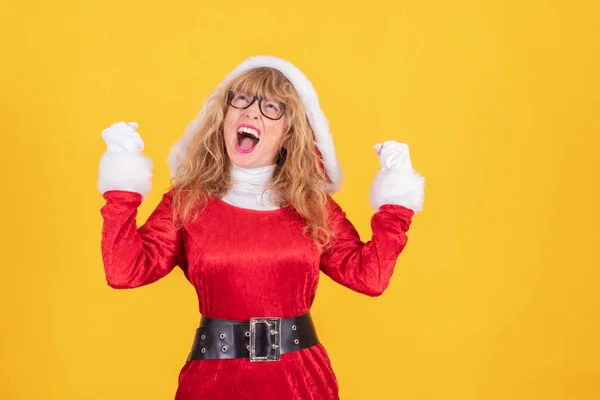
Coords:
260,339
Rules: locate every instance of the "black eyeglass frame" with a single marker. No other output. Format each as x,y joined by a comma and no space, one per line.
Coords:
254,98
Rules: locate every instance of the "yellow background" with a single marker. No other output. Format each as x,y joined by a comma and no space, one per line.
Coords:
496,295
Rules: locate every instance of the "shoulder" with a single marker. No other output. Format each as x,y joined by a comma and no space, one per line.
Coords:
333,208
168,196
171,199
330,203
187,207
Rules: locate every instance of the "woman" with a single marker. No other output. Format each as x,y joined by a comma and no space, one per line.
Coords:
250,221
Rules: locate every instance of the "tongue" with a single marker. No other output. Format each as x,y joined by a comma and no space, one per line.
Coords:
247,143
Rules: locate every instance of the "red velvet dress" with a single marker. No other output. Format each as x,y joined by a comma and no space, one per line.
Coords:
248,263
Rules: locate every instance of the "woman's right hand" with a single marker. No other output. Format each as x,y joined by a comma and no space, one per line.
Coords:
123,166
122,137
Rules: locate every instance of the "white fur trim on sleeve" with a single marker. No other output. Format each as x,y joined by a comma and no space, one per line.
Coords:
127,171
396,187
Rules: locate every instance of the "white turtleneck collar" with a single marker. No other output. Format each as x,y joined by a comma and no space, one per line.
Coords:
248,187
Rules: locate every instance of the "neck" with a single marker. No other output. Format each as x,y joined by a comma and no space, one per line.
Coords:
255,177
249,188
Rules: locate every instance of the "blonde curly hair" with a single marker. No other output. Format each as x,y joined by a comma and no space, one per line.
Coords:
299,177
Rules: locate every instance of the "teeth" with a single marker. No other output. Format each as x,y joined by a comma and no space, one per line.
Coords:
249,131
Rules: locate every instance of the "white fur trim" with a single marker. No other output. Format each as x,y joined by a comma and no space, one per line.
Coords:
128,171
318,121
398,187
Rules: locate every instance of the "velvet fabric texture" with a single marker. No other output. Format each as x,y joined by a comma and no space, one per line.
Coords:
250,263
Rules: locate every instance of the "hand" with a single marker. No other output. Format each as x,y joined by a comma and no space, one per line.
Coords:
122,137
397,182
393,156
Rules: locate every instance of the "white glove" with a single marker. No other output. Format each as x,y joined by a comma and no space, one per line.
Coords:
123,167
397,182
393,156
122,136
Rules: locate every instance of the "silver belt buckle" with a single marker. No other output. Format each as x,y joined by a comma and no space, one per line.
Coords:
273,355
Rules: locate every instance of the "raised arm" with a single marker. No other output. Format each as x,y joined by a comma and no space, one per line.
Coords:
396,194
133,256
366,267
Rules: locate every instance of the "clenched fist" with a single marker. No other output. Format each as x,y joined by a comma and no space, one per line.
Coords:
122,136
397,182
123,167
393,156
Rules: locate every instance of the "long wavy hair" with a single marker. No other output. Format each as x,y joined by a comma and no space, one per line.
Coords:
299,177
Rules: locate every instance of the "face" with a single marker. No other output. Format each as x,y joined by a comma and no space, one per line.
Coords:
252,140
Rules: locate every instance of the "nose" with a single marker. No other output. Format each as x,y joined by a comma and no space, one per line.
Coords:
253,112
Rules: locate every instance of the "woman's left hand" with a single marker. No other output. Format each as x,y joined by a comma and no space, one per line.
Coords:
393,156
397,182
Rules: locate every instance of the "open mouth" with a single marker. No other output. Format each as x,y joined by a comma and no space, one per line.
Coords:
247,138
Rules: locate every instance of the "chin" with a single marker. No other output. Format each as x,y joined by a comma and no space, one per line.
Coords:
242,164
241,160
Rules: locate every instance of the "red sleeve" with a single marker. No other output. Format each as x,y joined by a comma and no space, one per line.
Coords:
366,267
135,256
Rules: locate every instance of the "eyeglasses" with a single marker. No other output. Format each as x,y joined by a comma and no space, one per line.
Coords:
269,108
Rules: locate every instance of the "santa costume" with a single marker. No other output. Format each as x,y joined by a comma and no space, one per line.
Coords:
253,267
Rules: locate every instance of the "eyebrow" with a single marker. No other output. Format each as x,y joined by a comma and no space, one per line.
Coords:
249,93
